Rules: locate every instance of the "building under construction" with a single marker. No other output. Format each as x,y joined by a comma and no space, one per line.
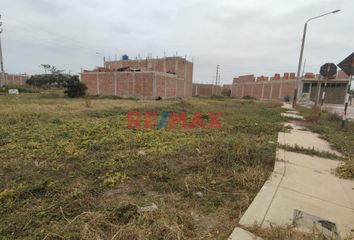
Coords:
169,77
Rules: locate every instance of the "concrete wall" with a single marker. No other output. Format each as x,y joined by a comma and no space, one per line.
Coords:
147,84
206,90
335,92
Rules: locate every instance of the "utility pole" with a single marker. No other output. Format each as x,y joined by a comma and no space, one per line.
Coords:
296,90
216,80
346,103
303,69
318,90
324,90
217,74
2,81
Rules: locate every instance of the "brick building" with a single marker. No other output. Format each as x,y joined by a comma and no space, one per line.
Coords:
335,90
168,77
280,87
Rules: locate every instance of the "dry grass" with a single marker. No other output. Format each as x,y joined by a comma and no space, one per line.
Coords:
72,170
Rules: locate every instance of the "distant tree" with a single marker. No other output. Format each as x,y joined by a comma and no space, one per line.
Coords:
46,67
74,87
52,69
226,92
52,77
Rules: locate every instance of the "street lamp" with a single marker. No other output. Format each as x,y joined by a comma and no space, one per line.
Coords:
301,55
104,58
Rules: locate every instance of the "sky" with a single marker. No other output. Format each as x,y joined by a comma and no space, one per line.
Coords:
260,37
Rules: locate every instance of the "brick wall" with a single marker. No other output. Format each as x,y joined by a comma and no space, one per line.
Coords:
206,90
273,88
15,79
136,84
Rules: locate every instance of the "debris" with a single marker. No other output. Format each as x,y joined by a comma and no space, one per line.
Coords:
151,208
142,153
199,194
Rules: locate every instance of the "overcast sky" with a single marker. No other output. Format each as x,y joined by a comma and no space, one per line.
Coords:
244,37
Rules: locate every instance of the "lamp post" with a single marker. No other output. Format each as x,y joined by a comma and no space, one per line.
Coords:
104,58
296,93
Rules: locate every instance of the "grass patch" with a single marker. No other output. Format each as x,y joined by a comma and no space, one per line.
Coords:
72,169
309,151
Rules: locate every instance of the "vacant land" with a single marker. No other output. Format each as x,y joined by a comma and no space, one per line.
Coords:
71,169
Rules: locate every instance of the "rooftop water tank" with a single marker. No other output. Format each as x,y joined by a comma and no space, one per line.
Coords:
125,57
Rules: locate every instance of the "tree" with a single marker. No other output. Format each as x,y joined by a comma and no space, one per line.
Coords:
74,87
52,69
226,92
52,77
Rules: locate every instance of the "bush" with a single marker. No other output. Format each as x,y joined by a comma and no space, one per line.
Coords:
74,87
287,99
51,78
48,80
248,97
226,92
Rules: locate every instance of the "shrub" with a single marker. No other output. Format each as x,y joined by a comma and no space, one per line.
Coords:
47,80
226,92
346,170
51,78
248,97
287,99
74,87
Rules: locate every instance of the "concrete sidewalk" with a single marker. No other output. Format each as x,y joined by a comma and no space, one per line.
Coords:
303,190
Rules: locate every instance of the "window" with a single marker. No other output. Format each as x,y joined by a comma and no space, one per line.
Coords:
306,88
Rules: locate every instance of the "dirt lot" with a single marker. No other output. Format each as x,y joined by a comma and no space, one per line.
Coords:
71,169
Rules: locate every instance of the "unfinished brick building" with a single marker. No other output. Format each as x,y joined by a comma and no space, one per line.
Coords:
169,77
281,87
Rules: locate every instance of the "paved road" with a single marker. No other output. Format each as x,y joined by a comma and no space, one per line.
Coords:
340,108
